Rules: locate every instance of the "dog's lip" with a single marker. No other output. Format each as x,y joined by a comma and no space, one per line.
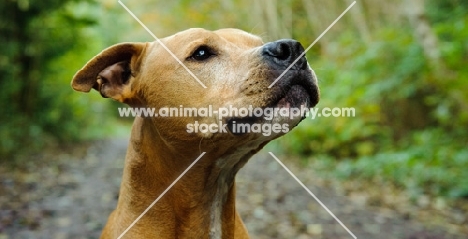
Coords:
295,96
296,91
241,120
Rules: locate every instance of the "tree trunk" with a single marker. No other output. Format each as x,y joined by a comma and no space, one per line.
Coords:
422,30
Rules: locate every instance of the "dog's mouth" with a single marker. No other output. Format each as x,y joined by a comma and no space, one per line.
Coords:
294,95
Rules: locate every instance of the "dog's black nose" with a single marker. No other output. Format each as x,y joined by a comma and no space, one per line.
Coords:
283,53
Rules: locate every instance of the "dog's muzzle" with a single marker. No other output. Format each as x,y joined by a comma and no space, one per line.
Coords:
294,88
298,85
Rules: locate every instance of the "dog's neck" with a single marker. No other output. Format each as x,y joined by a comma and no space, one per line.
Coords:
201,204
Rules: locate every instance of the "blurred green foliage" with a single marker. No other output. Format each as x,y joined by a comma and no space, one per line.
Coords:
411,124
43,44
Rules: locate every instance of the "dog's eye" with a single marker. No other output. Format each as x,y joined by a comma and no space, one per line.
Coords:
202,53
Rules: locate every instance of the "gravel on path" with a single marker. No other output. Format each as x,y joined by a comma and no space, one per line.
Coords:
70,194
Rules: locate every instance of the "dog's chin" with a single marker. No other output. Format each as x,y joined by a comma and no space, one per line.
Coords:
296,98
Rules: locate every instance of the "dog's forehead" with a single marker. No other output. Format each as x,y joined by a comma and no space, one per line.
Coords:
234,36
237,37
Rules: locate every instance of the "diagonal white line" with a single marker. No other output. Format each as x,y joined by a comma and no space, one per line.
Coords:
160,196
313,195
160,42
311,45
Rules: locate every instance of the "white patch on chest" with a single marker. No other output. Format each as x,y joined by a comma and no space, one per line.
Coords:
226,164
217,210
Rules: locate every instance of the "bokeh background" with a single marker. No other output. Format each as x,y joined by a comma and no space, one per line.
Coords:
401,64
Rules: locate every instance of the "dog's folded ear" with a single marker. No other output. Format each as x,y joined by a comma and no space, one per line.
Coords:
110,70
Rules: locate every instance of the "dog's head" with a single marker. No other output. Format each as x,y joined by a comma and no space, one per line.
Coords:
242,75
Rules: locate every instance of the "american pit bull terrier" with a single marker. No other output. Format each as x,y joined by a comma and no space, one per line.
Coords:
237,69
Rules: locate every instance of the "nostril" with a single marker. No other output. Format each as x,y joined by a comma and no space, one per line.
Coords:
280,50
283,51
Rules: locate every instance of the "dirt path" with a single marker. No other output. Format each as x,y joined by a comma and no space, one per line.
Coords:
71,194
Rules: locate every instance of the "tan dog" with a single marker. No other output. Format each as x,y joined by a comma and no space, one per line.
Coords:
237,69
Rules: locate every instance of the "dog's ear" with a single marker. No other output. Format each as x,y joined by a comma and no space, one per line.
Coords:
110,71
